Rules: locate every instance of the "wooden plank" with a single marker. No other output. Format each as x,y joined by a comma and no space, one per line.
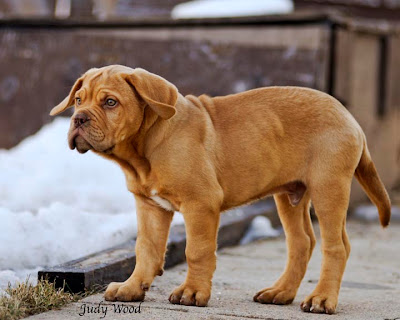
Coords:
324,59
393,92
363,79
310,37
343,58
117,263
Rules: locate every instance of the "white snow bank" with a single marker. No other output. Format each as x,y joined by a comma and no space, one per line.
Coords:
57,205
260,228
230,8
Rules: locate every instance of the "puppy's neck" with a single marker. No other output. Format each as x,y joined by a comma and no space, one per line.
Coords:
133,153
142,139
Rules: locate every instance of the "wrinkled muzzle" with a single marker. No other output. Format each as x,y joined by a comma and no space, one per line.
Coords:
77,140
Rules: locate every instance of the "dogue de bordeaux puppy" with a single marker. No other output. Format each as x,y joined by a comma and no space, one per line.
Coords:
203,155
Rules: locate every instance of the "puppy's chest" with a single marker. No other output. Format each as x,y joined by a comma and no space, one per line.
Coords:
162,202
150,188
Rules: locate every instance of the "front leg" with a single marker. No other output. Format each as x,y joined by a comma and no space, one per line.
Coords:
153,229
201,233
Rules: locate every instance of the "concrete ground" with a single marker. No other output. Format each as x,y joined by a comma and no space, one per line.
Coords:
370,288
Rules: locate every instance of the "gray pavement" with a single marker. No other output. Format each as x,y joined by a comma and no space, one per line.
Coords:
370,289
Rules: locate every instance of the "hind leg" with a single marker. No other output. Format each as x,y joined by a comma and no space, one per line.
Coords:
330,201
300,242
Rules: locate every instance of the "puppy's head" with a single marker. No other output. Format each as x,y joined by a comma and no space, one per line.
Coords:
109,105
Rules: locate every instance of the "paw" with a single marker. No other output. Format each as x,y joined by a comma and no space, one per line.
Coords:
126,291
320,303
275,295
190,296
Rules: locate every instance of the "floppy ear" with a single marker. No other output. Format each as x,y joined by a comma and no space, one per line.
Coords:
68,101
158,93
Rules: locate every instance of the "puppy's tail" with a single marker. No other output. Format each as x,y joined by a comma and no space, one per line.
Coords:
368,177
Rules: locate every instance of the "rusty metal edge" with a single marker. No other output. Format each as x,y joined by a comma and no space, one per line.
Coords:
121,259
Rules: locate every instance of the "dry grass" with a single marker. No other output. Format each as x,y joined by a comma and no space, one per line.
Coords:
25,299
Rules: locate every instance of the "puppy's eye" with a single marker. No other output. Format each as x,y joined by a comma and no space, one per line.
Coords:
111,103
78,101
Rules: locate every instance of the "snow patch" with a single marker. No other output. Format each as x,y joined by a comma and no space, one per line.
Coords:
260,228
230,8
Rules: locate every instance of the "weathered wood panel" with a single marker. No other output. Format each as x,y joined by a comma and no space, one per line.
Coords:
393,99
342,65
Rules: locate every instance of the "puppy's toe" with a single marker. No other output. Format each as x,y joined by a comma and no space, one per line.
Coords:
111,291
125,291
202,298
190,296
320,303
128,292
187,298
275,295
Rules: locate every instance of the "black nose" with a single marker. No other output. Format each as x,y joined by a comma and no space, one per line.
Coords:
80,119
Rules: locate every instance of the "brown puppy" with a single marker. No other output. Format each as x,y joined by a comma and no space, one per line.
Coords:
202,155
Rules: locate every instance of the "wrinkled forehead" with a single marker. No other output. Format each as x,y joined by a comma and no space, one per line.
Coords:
106,77
108,71
95,76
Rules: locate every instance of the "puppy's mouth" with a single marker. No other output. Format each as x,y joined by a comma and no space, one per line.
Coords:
76,140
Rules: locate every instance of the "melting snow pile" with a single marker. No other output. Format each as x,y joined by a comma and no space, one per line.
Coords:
260,228
57,205
230,8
